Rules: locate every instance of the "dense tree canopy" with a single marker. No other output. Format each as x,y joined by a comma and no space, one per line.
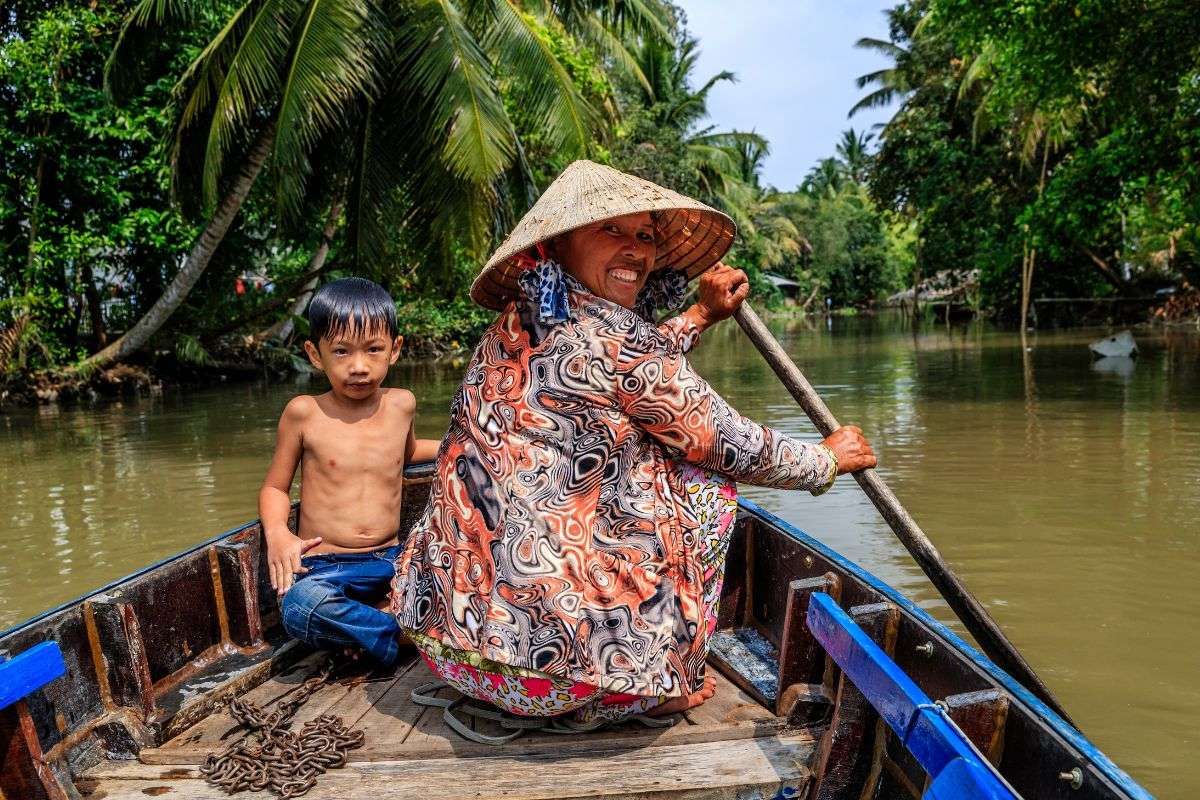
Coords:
189,170
1056,135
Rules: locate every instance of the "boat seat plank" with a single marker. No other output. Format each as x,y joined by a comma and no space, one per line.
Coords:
708,770
746,656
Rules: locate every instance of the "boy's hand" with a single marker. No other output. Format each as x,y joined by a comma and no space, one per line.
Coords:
283,558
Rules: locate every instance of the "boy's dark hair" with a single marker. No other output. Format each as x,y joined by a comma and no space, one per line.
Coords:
350,306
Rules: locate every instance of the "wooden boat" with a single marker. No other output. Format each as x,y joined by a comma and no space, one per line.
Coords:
821,671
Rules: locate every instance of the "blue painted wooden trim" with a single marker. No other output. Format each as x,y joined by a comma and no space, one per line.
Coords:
1018,692
920,725
958,780
29,672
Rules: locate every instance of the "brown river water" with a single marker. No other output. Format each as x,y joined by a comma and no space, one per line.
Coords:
1065,493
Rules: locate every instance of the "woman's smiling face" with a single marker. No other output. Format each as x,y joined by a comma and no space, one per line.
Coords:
612,258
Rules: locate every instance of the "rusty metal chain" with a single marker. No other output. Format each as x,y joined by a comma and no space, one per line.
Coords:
274,757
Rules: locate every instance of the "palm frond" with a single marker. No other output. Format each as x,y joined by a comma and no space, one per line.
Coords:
649,19
450,70
10,340
608,43
724,75
141,26
336,49
876,99
408,197
978,68
202,79
713,158
373,190
736,139
883,77
189,350
250,83
881,46
552,96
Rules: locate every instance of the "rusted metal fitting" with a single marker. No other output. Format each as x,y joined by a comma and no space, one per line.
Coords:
1075,776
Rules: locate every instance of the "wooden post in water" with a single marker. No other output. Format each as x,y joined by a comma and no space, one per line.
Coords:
973,615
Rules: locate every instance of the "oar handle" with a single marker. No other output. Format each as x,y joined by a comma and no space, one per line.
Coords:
973,615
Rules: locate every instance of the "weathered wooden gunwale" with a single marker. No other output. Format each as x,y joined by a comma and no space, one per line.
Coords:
150,657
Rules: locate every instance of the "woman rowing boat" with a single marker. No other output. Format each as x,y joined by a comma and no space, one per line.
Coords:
571,556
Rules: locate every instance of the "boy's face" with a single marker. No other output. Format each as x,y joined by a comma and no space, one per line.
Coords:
355,363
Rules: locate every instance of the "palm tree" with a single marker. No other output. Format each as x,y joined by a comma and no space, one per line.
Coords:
1032,128
667,68
854,155
902,77
724,164
411,97
827,176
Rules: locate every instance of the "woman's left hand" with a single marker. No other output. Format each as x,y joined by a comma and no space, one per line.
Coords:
722,290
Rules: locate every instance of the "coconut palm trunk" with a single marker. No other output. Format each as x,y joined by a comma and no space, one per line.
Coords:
1030,252
281,331
197,261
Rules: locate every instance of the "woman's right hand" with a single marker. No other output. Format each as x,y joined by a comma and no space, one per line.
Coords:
852,449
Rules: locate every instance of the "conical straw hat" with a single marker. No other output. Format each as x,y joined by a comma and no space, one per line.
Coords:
691,236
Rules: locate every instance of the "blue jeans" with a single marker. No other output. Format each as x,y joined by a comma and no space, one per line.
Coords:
333,604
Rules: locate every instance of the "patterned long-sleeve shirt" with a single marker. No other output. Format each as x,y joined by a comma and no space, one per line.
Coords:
556,536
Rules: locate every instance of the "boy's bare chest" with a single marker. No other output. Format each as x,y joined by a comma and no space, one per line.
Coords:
365,446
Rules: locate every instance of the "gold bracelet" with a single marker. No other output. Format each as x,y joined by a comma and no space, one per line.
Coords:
834,472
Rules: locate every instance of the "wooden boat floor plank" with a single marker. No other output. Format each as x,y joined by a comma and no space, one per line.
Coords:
708,770
366,701
396,728
214,729
388,722
730,704
731,715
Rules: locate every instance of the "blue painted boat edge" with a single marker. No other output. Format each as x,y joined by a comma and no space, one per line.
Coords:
1060,726
924,728
29,671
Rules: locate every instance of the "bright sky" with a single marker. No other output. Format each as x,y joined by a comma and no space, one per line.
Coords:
796,63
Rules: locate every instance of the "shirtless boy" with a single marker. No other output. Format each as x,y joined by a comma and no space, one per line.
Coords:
353,442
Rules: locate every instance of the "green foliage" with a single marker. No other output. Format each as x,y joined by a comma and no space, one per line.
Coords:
189,350
84,217
849,241
1024,132
1027,132
430,327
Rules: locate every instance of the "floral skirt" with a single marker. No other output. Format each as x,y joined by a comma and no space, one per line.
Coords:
526,692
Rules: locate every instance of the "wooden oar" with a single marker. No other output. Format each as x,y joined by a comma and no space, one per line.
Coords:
985,630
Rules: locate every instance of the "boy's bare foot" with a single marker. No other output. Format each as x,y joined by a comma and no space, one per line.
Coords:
678,704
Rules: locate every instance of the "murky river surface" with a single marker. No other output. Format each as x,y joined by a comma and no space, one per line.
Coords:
1065,493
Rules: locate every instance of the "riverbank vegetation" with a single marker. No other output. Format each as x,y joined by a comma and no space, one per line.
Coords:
179,176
